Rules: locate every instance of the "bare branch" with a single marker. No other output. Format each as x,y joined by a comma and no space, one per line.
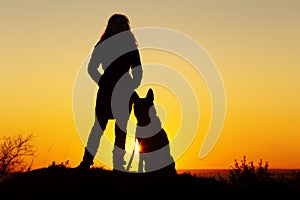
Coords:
14,153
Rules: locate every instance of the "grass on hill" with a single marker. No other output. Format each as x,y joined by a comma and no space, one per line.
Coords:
245,181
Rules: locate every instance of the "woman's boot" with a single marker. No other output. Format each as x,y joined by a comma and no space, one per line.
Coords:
87,160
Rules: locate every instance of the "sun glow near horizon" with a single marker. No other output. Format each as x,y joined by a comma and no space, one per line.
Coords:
254,45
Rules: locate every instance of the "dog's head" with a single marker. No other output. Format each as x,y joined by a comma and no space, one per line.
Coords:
142,107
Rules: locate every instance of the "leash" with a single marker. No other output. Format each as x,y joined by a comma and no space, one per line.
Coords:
131,157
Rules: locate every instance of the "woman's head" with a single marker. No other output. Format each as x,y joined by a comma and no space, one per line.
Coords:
116,24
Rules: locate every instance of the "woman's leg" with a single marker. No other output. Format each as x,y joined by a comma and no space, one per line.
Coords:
119,148
93,143
95,135
120,110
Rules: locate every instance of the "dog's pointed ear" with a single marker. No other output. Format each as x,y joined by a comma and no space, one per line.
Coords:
133,99
150,95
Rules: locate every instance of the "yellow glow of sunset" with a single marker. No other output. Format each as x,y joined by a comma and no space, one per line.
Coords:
255,46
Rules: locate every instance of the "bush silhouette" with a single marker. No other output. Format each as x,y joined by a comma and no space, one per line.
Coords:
248,175
14,154
61,165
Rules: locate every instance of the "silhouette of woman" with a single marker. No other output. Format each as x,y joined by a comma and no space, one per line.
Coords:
122,73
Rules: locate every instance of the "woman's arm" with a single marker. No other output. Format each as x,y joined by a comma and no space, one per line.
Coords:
94,64
136,69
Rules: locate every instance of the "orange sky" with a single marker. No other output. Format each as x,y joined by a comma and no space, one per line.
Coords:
255,46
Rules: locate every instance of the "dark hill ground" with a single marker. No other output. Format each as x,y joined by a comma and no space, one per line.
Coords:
66,183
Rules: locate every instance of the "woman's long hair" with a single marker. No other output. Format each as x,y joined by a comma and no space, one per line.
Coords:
108,33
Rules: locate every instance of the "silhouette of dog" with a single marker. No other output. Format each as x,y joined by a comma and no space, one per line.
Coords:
154,153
